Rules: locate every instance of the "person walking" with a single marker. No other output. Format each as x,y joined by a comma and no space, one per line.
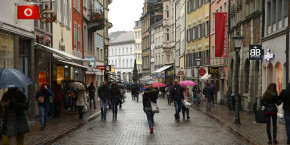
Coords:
104,94
57,99
208,93
92,91
133,92
80,102
115,96
150,95
167,90
14,121
285,96
186,95
269,101
42,97
137,92
122,99
176,94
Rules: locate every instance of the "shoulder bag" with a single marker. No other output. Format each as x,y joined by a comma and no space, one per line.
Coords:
154,107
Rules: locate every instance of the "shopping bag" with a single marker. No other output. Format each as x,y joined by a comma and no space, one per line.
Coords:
154,107
186,104
260,116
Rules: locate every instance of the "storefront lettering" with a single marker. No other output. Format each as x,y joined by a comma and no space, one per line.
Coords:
90,58
269,55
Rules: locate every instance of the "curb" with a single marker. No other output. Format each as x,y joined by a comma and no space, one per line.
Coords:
244,138
69,131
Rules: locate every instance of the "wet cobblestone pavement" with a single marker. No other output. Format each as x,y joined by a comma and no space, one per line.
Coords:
131,127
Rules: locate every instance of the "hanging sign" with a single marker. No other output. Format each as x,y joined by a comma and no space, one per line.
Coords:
221,46
213,70
108,67
201,71
47,16
180,72
101,67
269,55
255,52
28,12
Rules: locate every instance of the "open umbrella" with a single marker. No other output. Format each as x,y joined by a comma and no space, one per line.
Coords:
150,82
187,83
83,84
156,85
78,85
12,78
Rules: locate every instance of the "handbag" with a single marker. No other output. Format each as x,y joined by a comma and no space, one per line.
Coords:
41,99
154,107
260,116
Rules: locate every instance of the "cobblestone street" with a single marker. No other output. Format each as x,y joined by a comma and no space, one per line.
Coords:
131,128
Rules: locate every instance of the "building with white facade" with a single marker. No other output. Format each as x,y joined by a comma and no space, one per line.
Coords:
138,45
121,54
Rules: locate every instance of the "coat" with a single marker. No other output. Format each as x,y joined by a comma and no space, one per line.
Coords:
92,91
14,119
208,92
187,96
57,93
176,93
270,106
149,95
104,93
285,97
81,100
46,95
115,96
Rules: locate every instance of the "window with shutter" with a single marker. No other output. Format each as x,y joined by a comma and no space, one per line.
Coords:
75,3
75,35
68,14
192,5
196,4
79,38
196,32
78,5
62,11
208,28
193,33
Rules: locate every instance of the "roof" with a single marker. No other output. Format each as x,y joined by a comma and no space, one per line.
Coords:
121,37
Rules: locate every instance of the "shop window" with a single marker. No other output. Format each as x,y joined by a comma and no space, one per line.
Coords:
60,74
247,75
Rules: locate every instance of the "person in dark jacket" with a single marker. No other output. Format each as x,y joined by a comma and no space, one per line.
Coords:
104,93
13,104
150,95
270,100
137,92
92,91
176,94
57,99
42,97
115,98
285,96
208,93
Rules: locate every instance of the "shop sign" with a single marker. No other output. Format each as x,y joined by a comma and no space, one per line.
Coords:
101,67
90,58
180,72
108,67
158,75
269,55
28,12
201,71
213,70
255,52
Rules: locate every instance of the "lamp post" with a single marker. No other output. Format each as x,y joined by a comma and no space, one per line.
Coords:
198,60
238,40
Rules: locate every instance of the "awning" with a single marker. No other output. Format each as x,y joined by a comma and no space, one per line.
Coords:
93,71
74,64
163,68
205,77
58,52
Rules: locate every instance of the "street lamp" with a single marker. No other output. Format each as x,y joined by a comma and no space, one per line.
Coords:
238,40
197,61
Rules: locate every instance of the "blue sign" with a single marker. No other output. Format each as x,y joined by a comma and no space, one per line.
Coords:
158,75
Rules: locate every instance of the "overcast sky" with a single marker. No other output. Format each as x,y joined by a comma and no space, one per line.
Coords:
124,13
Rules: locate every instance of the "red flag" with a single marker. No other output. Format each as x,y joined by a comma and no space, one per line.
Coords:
28,12
221,46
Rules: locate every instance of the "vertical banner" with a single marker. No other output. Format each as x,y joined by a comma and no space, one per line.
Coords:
221,46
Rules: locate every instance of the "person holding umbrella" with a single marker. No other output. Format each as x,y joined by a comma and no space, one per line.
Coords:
43,98
13,104
81,101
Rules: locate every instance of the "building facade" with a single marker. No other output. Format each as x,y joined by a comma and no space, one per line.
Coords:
274,42
138,45
197,46
122,55
245,18
219,80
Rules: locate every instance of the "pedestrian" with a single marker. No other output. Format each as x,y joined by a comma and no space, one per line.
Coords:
285,96
14,121
57,99
43,96
137,92
208,93
167,90
104,94
122,99
186,95
65,96
80,102
269,101
150,95
92,91
133,92
115,96
176,94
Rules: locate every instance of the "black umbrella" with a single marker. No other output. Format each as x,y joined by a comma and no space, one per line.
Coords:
12,78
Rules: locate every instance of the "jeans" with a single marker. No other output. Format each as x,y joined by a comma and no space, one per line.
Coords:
168,100
208,103
150,116
81,112
177,105
115,109
92,98
287,121
104,104
43,112
19,139
137,96
274,122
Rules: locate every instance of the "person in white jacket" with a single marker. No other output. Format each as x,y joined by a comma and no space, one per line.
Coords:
81,101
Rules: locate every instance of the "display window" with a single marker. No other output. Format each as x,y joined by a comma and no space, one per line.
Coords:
6,50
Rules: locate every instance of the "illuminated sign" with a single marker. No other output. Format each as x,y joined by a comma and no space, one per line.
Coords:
269,55
213,70
255,52
90,58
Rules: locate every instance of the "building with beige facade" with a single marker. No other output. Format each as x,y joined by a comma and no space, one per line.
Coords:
138,45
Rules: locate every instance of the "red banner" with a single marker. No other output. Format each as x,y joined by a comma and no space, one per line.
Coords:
101,67
28,12
221,46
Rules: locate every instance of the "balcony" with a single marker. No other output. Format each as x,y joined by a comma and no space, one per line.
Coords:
96,20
